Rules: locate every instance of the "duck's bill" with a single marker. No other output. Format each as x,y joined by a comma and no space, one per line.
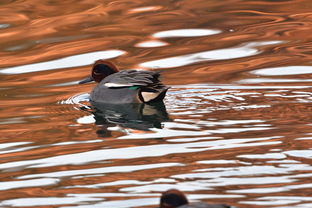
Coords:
86,80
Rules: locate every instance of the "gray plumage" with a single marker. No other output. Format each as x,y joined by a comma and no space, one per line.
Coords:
130,86
134,78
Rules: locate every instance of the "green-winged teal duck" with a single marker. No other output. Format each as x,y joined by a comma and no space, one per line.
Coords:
127,86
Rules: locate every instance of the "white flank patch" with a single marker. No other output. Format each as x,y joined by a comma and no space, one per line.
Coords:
148,96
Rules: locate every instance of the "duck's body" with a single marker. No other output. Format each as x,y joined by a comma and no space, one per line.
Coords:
174,198
128,86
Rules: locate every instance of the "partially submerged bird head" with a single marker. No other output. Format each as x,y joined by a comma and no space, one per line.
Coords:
172,198
100,70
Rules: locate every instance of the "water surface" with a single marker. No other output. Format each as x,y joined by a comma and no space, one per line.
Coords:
235,127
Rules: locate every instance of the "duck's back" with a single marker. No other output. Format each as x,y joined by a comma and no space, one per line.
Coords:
128,87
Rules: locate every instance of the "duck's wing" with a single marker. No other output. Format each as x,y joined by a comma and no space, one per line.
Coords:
128,78
147,84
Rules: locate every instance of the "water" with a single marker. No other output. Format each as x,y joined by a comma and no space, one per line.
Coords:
235,128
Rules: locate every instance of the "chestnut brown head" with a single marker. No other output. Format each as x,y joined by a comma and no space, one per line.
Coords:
100,70
172,198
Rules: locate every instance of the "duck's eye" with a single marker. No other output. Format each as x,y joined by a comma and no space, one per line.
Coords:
96,71
102,69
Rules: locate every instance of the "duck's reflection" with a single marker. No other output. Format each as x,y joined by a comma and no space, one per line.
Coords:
135,116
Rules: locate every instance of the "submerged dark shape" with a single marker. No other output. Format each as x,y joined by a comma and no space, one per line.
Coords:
139,116
128,86
174,198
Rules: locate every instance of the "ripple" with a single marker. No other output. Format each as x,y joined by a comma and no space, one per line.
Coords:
70,61
252,171
219,54
139,152
105,170
27,183
223,142
76,99
114,183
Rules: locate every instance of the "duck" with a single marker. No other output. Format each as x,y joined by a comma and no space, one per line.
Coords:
126,86
174,198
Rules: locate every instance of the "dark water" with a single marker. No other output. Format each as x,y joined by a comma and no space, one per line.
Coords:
235,128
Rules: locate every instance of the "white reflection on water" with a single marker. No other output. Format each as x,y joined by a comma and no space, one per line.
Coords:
40,201
185,33
279,200
151,44
114,183
183,186
165,133
278,189
139,152
14,147
28,183
148,201
238,87
2,26
264,80
261,170
214,177
12,144
219,54
227,122
286,70
145,9
70,61
264,156
121,204
218,162
300,153
77,142
86,119
118,169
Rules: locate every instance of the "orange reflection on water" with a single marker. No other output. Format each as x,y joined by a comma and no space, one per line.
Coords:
238,129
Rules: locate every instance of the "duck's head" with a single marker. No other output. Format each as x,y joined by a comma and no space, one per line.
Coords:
172,198
100,70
